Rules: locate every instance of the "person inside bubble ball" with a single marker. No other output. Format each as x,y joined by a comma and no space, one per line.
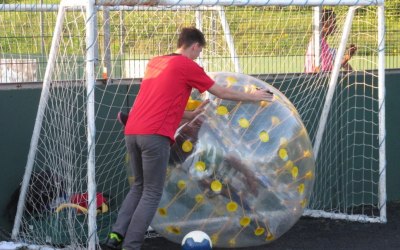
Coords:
149,132
327,54
229,161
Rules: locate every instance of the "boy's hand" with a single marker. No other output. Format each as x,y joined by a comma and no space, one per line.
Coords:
190,115
200,108
264,94
352,50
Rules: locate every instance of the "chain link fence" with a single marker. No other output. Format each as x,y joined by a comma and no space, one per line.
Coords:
27,28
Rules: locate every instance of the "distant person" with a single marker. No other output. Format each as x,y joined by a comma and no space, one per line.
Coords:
327,54
152,122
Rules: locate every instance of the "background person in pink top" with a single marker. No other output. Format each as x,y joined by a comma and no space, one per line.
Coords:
327,54
149,132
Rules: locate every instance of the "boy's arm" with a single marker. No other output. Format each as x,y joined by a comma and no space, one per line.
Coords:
348,56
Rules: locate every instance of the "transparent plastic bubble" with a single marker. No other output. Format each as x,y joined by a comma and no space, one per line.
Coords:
241,171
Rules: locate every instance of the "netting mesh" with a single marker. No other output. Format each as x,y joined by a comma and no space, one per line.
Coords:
250,39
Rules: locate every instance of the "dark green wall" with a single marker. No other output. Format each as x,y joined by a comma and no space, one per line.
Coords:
393,135
18,111
17,116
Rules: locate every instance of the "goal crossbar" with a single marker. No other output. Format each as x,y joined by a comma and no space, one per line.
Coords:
241,2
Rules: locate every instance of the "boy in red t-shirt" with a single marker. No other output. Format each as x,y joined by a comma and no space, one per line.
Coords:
155,116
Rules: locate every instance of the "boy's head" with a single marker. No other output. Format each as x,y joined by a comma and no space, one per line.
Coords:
189,36
328,21
191,42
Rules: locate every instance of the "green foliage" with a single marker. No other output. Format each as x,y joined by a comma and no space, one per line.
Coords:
29,1
392,3
258,32
10,1
392,8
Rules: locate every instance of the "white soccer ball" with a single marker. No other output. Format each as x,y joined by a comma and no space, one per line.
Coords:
196,240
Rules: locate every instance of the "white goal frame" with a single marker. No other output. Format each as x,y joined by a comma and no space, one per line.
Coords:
91,6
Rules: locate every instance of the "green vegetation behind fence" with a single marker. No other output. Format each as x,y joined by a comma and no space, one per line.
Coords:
262,35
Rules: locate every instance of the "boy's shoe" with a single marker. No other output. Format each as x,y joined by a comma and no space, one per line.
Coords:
122,118
114,241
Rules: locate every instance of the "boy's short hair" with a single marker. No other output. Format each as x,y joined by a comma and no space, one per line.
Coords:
189,36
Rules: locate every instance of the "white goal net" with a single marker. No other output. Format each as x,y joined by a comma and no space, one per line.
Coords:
76,175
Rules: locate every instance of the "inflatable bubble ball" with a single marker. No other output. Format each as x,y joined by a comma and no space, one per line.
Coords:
242,172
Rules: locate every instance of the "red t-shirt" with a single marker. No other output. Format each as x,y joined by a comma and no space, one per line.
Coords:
164,92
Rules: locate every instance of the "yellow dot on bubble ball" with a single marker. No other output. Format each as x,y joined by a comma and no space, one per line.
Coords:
283,154
231,206
270,236
303,203
162,211
275,120
173,229
309,175
245,221
264,104
244,123
307,154
187,146
231,80
264,136
192,104
222,110
214,238
300,188
289,164
200,166
199,198
181,184
232,242
259,231
295,172
216,186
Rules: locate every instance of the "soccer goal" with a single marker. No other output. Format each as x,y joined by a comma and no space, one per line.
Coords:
76,175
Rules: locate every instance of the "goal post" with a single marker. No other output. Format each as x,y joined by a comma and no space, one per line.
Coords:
37,126
78,144
382,113
90,81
